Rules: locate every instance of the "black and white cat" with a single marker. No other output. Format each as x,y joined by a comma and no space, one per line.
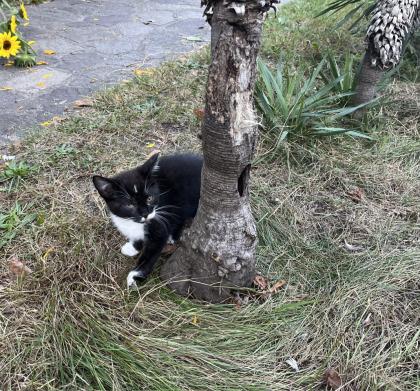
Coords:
150,205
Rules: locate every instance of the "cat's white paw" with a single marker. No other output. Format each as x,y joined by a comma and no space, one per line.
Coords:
131,282
170,240
129,250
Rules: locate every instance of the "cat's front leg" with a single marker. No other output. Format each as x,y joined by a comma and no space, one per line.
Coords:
152,249
147,260
131,249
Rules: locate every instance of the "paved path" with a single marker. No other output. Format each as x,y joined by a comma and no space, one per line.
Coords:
97,43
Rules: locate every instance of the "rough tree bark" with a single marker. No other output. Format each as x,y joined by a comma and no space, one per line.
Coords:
217,254
393,22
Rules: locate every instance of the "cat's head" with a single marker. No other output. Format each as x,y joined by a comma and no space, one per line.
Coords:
132,194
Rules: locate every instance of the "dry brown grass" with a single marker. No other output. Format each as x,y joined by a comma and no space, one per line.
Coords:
71,324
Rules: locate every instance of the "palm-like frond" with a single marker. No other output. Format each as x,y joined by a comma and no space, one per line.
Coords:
357,10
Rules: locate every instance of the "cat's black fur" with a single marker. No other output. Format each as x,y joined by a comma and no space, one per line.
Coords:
170,185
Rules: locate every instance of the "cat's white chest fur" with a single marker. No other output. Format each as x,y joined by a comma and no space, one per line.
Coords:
130,229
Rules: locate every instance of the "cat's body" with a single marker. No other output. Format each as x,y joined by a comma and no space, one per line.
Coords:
150,205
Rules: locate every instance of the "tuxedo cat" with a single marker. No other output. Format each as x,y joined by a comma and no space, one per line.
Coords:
150,205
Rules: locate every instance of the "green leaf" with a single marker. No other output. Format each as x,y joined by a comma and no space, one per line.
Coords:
330,131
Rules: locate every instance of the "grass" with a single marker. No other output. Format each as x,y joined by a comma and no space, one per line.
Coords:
71,325
12,221
13,172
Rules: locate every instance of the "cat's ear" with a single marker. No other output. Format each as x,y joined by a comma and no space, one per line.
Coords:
105,186
149,165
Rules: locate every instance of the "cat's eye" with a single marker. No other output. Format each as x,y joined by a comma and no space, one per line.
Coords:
149,200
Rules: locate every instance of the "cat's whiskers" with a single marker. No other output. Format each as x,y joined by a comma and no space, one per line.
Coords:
167,206
162,211
168,214
165,192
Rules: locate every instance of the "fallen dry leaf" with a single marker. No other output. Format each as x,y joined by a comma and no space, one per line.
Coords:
277,286
41,63
6,88
47,253
41,84
143,71
169,249
49,52
17,267
332,379
195,320
53,120
240,301
199,113
85,102
356,195
261,282
150,145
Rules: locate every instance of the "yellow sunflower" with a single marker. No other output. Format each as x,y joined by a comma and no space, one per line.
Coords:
9,45
23,12
13,24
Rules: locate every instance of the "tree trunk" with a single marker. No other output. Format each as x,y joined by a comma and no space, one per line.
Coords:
416,45
391,26
217,254
367,80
